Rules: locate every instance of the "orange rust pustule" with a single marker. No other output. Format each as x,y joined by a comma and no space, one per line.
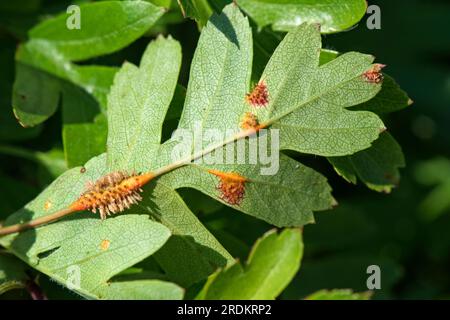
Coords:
249,121
259,97
231,186
112,193
374,75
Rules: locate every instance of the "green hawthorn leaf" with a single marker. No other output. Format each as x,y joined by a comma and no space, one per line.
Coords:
377,167
174,112
220,73
319,273
12,273
104,28
198,253
45,64
45,68
266,41
199,10
214,103
143,290
83,140
307,102
391,98
30,106
434,173
95,80
309,106
339,294
134,143
84,126
10,129
272,263
327,56
287,198
285,15
161,3
146,92
97,249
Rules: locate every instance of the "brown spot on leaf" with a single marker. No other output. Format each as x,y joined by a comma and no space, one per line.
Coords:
82,170
231,186
104,245
374,75
259,97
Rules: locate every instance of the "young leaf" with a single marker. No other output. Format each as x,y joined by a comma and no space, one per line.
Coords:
285,15
272,263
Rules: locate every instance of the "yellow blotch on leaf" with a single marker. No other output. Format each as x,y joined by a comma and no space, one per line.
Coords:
104,245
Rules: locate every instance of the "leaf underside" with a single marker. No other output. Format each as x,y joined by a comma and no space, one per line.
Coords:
307,102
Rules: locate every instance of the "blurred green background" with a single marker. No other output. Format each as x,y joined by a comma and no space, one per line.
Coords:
406,232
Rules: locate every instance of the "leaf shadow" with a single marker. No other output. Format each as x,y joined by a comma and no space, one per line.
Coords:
224,25
23,241
184,260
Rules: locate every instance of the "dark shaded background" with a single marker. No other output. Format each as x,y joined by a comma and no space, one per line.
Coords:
406,233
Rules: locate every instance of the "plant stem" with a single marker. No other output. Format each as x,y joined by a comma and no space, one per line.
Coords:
36,222
147,178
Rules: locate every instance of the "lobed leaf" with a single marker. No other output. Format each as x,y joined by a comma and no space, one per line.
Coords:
307,101
287,198
97,249
271,265
45,64
377,167
134,143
